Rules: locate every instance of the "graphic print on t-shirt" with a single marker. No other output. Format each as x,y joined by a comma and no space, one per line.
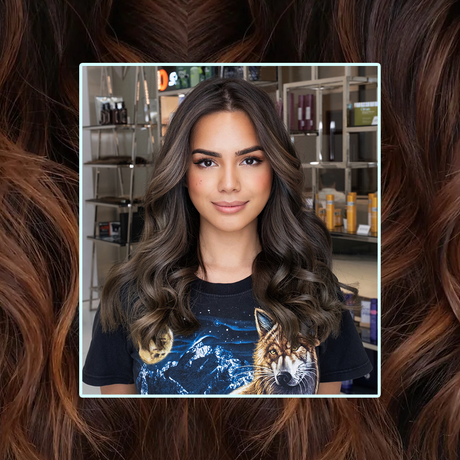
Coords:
213,360
280,368
228,356
153,354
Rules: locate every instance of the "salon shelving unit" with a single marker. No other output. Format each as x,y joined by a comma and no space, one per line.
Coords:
130,129
340,84
275,84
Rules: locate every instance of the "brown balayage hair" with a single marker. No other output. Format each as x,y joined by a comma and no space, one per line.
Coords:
41,46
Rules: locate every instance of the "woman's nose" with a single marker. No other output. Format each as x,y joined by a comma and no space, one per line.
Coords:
229,180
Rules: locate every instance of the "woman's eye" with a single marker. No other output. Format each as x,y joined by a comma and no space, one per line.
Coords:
206,163
251,161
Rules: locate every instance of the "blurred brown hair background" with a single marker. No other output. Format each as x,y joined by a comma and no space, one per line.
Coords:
418,46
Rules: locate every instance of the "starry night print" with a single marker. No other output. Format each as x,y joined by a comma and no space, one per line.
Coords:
216,359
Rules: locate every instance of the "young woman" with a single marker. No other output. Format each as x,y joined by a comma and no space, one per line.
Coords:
230,290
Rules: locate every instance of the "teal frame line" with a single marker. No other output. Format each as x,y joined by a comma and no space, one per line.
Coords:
379,141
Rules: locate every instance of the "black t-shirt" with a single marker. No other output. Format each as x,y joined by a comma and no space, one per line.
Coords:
238,349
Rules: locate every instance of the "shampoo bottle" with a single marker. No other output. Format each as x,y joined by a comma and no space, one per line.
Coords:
309,111
291,112
330,215
115,119
301,113
369,208
351,214
374,216
195,73
105,114
122,113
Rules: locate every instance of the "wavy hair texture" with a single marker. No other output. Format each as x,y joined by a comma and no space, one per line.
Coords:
292,277
41,46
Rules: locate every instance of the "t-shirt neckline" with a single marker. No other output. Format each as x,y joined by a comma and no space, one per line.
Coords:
223,288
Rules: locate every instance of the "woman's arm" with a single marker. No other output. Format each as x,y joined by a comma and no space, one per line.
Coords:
119,389
329,388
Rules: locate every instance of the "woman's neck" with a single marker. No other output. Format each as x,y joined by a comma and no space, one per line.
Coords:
228,256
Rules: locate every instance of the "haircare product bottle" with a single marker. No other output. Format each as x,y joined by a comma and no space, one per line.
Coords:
322,214
374,321
114,116
365,314
208,72
102,116
331,141
109,119
105,114
195,73
351,116
330,208
309,112
351,214
369,208
301,113
374,216
122,113
291,112
338,217
347,386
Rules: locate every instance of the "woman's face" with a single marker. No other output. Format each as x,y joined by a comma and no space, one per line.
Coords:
228,178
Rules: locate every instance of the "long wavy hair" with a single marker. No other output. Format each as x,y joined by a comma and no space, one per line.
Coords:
292,276
41,47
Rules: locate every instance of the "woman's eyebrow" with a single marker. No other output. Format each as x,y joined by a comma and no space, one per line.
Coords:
238,153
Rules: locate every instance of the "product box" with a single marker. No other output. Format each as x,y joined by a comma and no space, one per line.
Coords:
104,229
365,113
365,313
109,229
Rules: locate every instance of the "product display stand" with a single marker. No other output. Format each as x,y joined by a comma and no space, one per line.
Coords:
320,87
123,205
339,84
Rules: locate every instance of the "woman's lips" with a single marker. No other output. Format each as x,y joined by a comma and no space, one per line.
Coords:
229,207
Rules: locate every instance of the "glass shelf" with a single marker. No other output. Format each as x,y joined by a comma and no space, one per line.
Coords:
109,165
118,127
361,129
106,241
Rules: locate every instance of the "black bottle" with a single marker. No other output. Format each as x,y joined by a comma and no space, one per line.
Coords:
103,119
122,113
114,116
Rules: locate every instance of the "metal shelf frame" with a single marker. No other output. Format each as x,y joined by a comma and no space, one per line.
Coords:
323,86
106,88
